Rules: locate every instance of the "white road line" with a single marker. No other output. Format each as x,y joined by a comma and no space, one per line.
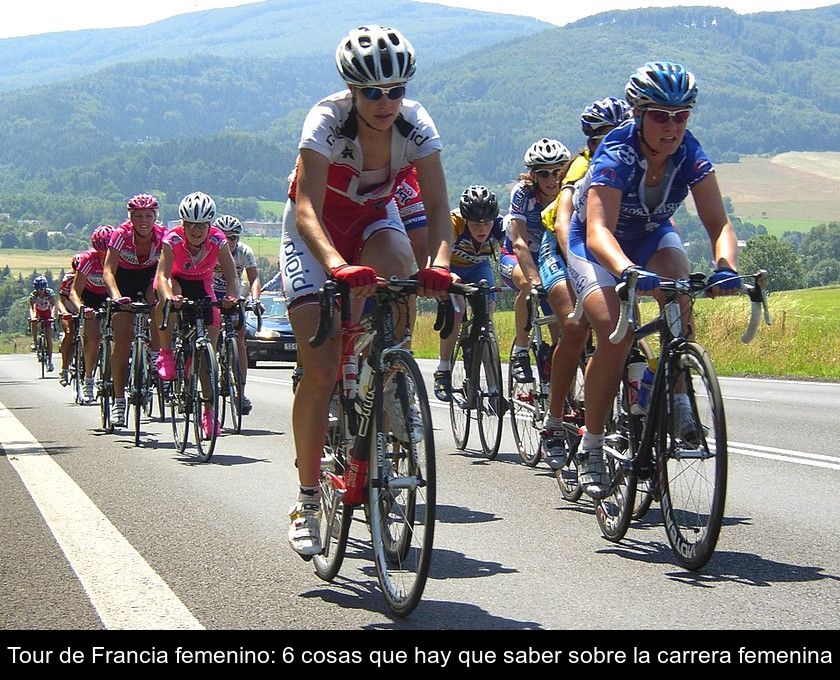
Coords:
125,591
785,459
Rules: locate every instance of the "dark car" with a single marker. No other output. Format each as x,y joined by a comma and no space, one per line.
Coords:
275,341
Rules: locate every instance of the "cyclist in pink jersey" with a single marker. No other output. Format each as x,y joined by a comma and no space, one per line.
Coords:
356,148
89,294
130,266
67,309
185,271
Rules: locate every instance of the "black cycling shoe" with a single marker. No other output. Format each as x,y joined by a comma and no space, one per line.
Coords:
520,366
443,385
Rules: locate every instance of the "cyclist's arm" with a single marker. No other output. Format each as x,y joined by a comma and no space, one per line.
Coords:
519,238
112,260
62,307
565,207
309,205
164,271
713,215
438,220
77,289
602,207
254,284
229,272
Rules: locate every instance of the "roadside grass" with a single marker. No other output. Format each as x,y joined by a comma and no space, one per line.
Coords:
22,261
276,207
803,340
264,246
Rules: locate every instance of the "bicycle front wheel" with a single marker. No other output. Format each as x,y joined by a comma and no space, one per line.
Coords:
42,355
489,396
205,384
79,368
234,384
135,387
459,402
402,485
335,515
105,385
526,412
180,403
693,460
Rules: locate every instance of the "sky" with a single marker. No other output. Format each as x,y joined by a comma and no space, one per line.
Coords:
46,16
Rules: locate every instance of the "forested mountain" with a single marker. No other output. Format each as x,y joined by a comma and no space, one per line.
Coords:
275,28
230,125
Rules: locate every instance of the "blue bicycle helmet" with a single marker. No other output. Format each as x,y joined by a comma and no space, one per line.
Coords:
609,112
662,83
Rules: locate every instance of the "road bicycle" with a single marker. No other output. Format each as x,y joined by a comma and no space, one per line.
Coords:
104,381
42,353
477,384
141,374
529,401
195,387
683,463
379,451
77,359
231,383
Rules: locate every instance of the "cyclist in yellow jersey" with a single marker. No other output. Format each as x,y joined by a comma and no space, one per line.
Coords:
597,119
476,233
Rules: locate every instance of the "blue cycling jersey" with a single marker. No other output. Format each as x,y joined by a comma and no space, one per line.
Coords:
525,206
618,163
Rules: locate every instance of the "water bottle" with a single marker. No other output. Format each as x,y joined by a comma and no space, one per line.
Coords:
644,389
364,384
636,366
544,361
349,371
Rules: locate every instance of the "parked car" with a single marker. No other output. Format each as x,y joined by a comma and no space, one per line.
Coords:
275,341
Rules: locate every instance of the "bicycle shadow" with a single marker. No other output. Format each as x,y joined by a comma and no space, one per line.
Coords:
258,433
725,566
429,614
456,514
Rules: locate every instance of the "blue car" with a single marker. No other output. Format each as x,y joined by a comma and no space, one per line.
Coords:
275,341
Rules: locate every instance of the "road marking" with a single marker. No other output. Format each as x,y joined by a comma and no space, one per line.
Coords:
786,455
125,591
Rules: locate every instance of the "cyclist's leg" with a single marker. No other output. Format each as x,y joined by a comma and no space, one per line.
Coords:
243,367
123,324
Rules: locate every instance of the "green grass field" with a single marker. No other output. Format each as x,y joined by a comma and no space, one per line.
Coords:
24,261
274,206
264,246
802,342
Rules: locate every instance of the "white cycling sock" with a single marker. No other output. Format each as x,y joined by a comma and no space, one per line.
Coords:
591,441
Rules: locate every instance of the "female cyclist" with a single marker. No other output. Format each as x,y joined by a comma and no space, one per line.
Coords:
639,175
357,147
547,161
42,308
188,256
130,265
597,119
67,309
476,231
245,261
89,294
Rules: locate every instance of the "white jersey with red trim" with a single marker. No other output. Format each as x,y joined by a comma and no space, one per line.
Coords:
331,130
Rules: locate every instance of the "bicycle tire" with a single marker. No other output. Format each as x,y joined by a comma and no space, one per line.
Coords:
693,472
335,515
41,351
402,488
526,412
205,399
489,396
235,388
179,404
615,511
79,367
567,476
105,385
460,397
148,383
645,492
135,389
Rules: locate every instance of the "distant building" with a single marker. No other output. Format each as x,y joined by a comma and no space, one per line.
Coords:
263,228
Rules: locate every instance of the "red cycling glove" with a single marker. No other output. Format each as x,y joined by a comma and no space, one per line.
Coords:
435,278
354,275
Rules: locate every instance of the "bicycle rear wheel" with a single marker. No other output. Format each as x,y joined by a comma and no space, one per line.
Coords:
79,368
234,384
693,463
180,403
205,401
335,516
402,485
489,396
459,402
615,511
567,476
105,386
135,386
526,412
42,355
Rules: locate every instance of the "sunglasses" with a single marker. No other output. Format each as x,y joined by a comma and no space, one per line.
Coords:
196,225
544,174
374,94
662,116
232,237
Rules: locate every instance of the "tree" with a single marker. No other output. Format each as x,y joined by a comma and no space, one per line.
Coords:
777,257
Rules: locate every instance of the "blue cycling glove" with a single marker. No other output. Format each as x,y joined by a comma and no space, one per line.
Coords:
725,279
647,281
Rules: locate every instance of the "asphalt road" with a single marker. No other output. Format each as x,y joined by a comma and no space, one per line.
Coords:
166,543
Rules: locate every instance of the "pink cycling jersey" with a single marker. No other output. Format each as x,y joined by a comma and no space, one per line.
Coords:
122,240
191,267
91,267
66,284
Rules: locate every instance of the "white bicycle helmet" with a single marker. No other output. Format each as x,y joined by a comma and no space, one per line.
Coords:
228,224
197,207
375,55
546,152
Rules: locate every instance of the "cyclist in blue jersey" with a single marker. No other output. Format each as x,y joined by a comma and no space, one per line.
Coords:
597,120
640,174
547,161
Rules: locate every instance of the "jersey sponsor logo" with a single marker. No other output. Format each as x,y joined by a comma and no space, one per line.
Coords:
607,175
626,155
404,193
417,138
703,165
333,136
293,269
347,153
